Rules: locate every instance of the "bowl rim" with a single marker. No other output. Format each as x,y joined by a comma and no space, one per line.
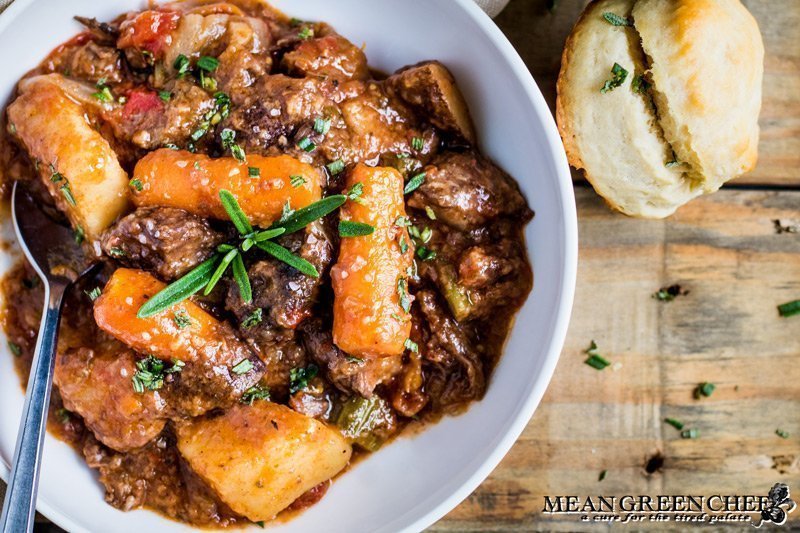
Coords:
566,289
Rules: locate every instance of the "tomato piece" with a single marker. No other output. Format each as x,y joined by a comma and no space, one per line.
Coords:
149,30
141,102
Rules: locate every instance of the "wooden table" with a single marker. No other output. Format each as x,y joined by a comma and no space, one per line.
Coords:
723,249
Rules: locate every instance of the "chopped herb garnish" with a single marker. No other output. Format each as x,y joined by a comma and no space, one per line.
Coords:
137,184
67,192
209,64
414,183
704,389
150,373
352,359
305,33
335,167
411,345
253,172
403,245
426,235
402,292
595,360
103,92
616,20
692,433
93,294
256,392
322,125
417,143
677,424
228,138
667,294
297,181
306,144
15,348
430,213
299,377
253,319
294,22
182,319
63,415
640,84
402,222
618,75
116,252
243,367
349,228
79,234
165,95
199,133
602,475
181,64
238,153
789,309
286,212
355,193
782,434
425,253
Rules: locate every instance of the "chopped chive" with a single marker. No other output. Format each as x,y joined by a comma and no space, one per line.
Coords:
67,192
595,360
256,392
403,245
602,475
692,433
425,253
417,143
789,309
349,228
704,389
618,76
181,64
253,172
402,292
411,346
430,213
137,184
782,434
253,319
322,125
305,33
355,193
335,167
209,64
677,424
15,348
181,319
297,181
165,95
79,235
640,84
116,252
299,377
414,183
93,294
306,145
243,367
104,94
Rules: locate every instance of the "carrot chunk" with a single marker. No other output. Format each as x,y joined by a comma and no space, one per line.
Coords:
371,305
184,332
262,185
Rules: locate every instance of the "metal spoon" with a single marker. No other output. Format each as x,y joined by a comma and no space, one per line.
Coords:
59,261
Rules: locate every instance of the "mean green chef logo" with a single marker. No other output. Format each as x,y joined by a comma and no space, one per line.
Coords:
717,509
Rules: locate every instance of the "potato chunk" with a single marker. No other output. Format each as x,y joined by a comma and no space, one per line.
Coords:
263,185
371,305
260,458
78,166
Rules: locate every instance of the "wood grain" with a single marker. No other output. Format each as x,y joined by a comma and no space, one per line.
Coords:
724,250
539,34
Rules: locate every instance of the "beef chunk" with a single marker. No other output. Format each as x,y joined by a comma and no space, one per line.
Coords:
453,367
96,384
348,374
92,61
280,351
286,294
431,89
156,476
480,266
148,122
164,240
466,191
328,56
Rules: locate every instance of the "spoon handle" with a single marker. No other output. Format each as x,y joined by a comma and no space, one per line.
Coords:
19,508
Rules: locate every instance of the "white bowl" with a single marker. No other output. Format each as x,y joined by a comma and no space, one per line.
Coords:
416,480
